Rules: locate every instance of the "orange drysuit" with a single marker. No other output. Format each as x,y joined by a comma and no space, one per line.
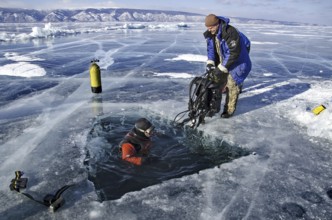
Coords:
134,148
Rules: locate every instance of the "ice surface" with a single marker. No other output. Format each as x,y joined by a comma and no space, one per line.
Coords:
47,111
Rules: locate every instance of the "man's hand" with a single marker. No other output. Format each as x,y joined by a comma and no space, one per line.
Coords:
210,68
222,69
219,74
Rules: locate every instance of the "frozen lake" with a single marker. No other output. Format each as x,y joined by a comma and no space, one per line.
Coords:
49,122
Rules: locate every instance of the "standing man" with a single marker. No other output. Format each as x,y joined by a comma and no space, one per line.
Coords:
228,58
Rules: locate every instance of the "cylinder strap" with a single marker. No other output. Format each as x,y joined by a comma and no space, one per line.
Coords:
52,201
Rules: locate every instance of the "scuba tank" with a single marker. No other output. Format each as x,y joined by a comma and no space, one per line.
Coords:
95,78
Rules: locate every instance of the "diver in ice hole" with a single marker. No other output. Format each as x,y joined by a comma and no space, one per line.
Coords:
136,145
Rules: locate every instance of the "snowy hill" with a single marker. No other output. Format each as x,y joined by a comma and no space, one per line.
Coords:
8,15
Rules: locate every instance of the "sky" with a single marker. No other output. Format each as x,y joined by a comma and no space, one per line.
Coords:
307,11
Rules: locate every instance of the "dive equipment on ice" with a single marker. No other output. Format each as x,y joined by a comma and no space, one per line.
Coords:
318,109
52,201
204,100
95,77
18,183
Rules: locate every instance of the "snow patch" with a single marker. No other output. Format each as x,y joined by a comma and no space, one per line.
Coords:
175,75
190,58
22,69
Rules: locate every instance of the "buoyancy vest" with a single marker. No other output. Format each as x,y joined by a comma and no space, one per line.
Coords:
137,141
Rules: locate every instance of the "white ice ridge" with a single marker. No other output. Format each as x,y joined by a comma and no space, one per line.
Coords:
22,69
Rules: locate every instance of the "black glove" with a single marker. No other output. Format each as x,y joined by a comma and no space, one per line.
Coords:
219,75
210,68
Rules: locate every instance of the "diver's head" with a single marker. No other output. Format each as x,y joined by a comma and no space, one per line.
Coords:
144,127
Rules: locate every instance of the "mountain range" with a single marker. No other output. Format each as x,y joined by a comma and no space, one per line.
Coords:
17,15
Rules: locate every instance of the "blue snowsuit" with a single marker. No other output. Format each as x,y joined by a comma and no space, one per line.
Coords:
234,49
228,49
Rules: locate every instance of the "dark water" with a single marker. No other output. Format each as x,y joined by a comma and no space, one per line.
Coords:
180,151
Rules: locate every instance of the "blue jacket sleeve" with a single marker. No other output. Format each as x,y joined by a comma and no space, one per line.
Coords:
210,46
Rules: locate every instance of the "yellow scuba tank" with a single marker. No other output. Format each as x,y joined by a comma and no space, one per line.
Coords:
95,77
